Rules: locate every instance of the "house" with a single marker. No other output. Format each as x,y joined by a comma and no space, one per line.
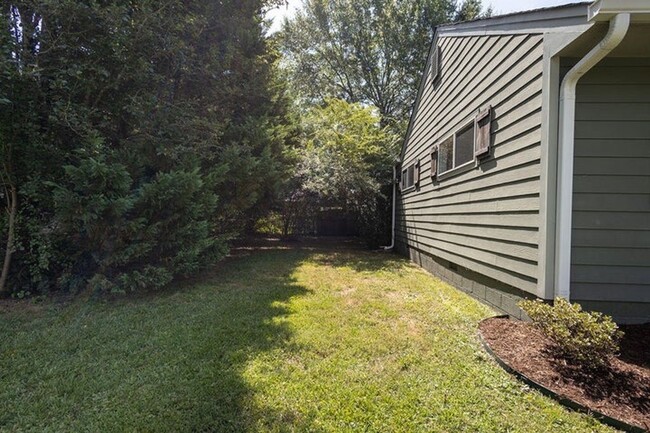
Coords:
526,166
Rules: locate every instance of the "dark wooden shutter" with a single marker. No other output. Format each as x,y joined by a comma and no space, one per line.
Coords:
416,173
434,161
482,126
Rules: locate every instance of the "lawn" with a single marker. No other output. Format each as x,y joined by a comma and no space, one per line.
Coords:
300,339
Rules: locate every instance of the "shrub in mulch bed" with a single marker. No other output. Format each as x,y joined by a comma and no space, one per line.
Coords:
586,338
620,389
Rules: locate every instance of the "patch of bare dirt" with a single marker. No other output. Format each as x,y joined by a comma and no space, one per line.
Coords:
622,391
13,305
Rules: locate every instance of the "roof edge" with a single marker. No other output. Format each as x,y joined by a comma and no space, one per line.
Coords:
602,10
558,16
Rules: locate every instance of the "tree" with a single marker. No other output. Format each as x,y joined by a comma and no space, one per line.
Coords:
137,138
18,72
344,156
368,51
471,10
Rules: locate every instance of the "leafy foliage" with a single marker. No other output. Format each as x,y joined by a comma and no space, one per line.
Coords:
471,10
341,164
139,136
589,338
368,51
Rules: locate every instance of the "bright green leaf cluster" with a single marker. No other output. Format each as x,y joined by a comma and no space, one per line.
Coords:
589,338
343,162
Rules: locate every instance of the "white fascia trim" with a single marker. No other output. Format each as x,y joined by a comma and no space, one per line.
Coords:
605,9
618,28
523,31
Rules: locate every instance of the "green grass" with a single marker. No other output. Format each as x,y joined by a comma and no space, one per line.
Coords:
289,340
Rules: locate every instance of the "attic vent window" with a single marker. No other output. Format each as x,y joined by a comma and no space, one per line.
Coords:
435,62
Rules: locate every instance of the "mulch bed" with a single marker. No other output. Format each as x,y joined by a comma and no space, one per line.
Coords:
621,392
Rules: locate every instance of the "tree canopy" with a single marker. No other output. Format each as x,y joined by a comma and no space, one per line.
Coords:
367,51
343,159
354,68
136,137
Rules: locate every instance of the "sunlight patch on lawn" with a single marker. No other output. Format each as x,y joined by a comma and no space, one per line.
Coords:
281,340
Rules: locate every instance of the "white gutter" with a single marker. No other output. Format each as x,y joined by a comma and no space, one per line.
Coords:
604,10
392,242
618,27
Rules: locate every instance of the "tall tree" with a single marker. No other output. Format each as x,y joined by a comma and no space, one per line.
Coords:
344,157
137,137
19,71
471,10
368,51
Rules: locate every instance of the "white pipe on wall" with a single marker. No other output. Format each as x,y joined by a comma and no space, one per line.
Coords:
618,27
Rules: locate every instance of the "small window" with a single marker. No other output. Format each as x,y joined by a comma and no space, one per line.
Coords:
464,147
446,155
410,176
457,150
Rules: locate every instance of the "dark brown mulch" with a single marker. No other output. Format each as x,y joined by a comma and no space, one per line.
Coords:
621,391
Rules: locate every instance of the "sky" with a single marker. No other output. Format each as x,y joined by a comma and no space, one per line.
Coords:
499,6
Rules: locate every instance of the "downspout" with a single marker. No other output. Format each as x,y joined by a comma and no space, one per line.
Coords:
618,27
392,239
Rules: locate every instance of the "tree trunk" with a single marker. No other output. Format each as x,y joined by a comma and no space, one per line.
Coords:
12,209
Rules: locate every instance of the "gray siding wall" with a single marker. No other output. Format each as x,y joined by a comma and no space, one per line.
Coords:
611,201
486,218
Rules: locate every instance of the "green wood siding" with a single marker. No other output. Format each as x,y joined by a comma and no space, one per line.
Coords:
611,211
485,217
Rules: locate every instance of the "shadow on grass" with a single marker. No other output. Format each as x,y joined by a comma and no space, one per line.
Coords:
247,322
179,362
339,252
369,261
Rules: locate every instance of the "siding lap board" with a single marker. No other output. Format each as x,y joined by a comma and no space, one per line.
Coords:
611,213
486,218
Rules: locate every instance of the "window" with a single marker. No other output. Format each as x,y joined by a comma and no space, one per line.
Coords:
460,149
464,148
457,150
407,178
446,155
410,176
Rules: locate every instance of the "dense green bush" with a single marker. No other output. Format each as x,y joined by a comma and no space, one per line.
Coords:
127,239
344,163
135,139
588,338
